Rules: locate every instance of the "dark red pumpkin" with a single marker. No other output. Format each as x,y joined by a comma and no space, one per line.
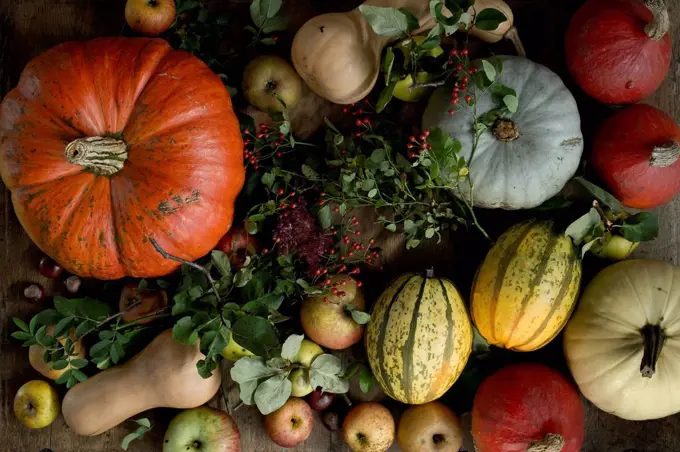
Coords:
107,143
636,153
619,51
527,408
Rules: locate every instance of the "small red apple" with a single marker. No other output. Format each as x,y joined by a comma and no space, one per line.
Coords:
137,303
368,427
237,244
150,17
291,424
327,321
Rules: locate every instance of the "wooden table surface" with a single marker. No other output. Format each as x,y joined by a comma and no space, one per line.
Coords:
38,24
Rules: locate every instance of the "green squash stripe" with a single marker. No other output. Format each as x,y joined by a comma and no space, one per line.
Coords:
503,266
448,349
553,241
407,350
380,352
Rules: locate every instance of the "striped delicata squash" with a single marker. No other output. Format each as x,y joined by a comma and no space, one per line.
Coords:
419,338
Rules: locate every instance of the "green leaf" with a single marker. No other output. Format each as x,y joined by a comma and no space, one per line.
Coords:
489,70
100,349
429,233
255,334
385,97
261,10
21,324
272,393
641,227
391,227
79,363
248,372
93,309
511,102
41,333
62,326
268,179
63,378
251,226
143,284
309,173
413,243
83,328
291,346
449,24
412,21
273,24
144,422
489,19
388,63
21,335
585,248
221,262
79,375
366,381
187,5
60,364
64,306
243,277
372,193
389,22
583,227
47,317
325,372
113,351
182,330
324,216
601,195
32,325
360,317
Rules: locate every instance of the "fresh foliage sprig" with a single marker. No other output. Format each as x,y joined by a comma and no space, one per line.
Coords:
267,18
144,426
265,383
608,217
201,31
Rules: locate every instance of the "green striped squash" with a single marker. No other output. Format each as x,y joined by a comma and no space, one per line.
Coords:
419,338
526,288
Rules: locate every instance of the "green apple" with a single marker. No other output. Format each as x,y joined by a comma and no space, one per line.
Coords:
614,247
405,47
308,351
36,404
268,78
233,351
403,91
202,429
301,384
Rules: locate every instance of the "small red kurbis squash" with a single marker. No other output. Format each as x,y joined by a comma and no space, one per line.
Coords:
527,408
636,153
107,143
619,51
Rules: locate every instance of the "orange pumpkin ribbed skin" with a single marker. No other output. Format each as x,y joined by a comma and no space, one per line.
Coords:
183,171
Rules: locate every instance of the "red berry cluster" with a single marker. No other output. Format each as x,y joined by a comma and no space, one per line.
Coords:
418,146
263,144
462,75
361,111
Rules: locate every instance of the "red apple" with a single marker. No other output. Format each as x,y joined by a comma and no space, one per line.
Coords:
291,424
327,321
431,427
237,244
150,17
137,303
368,427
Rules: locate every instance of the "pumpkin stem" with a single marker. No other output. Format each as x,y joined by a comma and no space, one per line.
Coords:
103,156
551,443
512,35
658,27
505,129
654,338
429,273
665,155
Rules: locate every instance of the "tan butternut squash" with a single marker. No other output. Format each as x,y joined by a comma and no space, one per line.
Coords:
162,375
338,54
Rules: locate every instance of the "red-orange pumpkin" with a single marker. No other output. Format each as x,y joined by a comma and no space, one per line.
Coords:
107,143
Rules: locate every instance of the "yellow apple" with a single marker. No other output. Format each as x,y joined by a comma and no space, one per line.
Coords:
308,351
301,384
36,353
368,427
150,17
268,78
36,404
233,351
403,91
614,247
202,429
431,427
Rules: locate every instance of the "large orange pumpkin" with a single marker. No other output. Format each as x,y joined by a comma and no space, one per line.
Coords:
107,143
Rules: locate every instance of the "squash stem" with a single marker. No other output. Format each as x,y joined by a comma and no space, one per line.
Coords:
512,35
665,155
103,156
654,339
429,273
658,28
551,443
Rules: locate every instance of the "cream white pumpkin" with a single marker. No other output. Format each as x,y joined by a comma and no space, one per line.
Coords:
623,343
526,169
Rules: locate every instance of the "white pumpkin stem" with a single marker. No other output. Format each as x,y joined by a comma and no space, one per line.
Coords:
665,155
654,338
658,27
512,35
429,273
551,443
505,129
103,156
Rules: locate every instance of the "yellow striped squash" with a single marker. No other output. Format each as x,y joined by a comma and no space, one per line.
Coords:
527,286
419,338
